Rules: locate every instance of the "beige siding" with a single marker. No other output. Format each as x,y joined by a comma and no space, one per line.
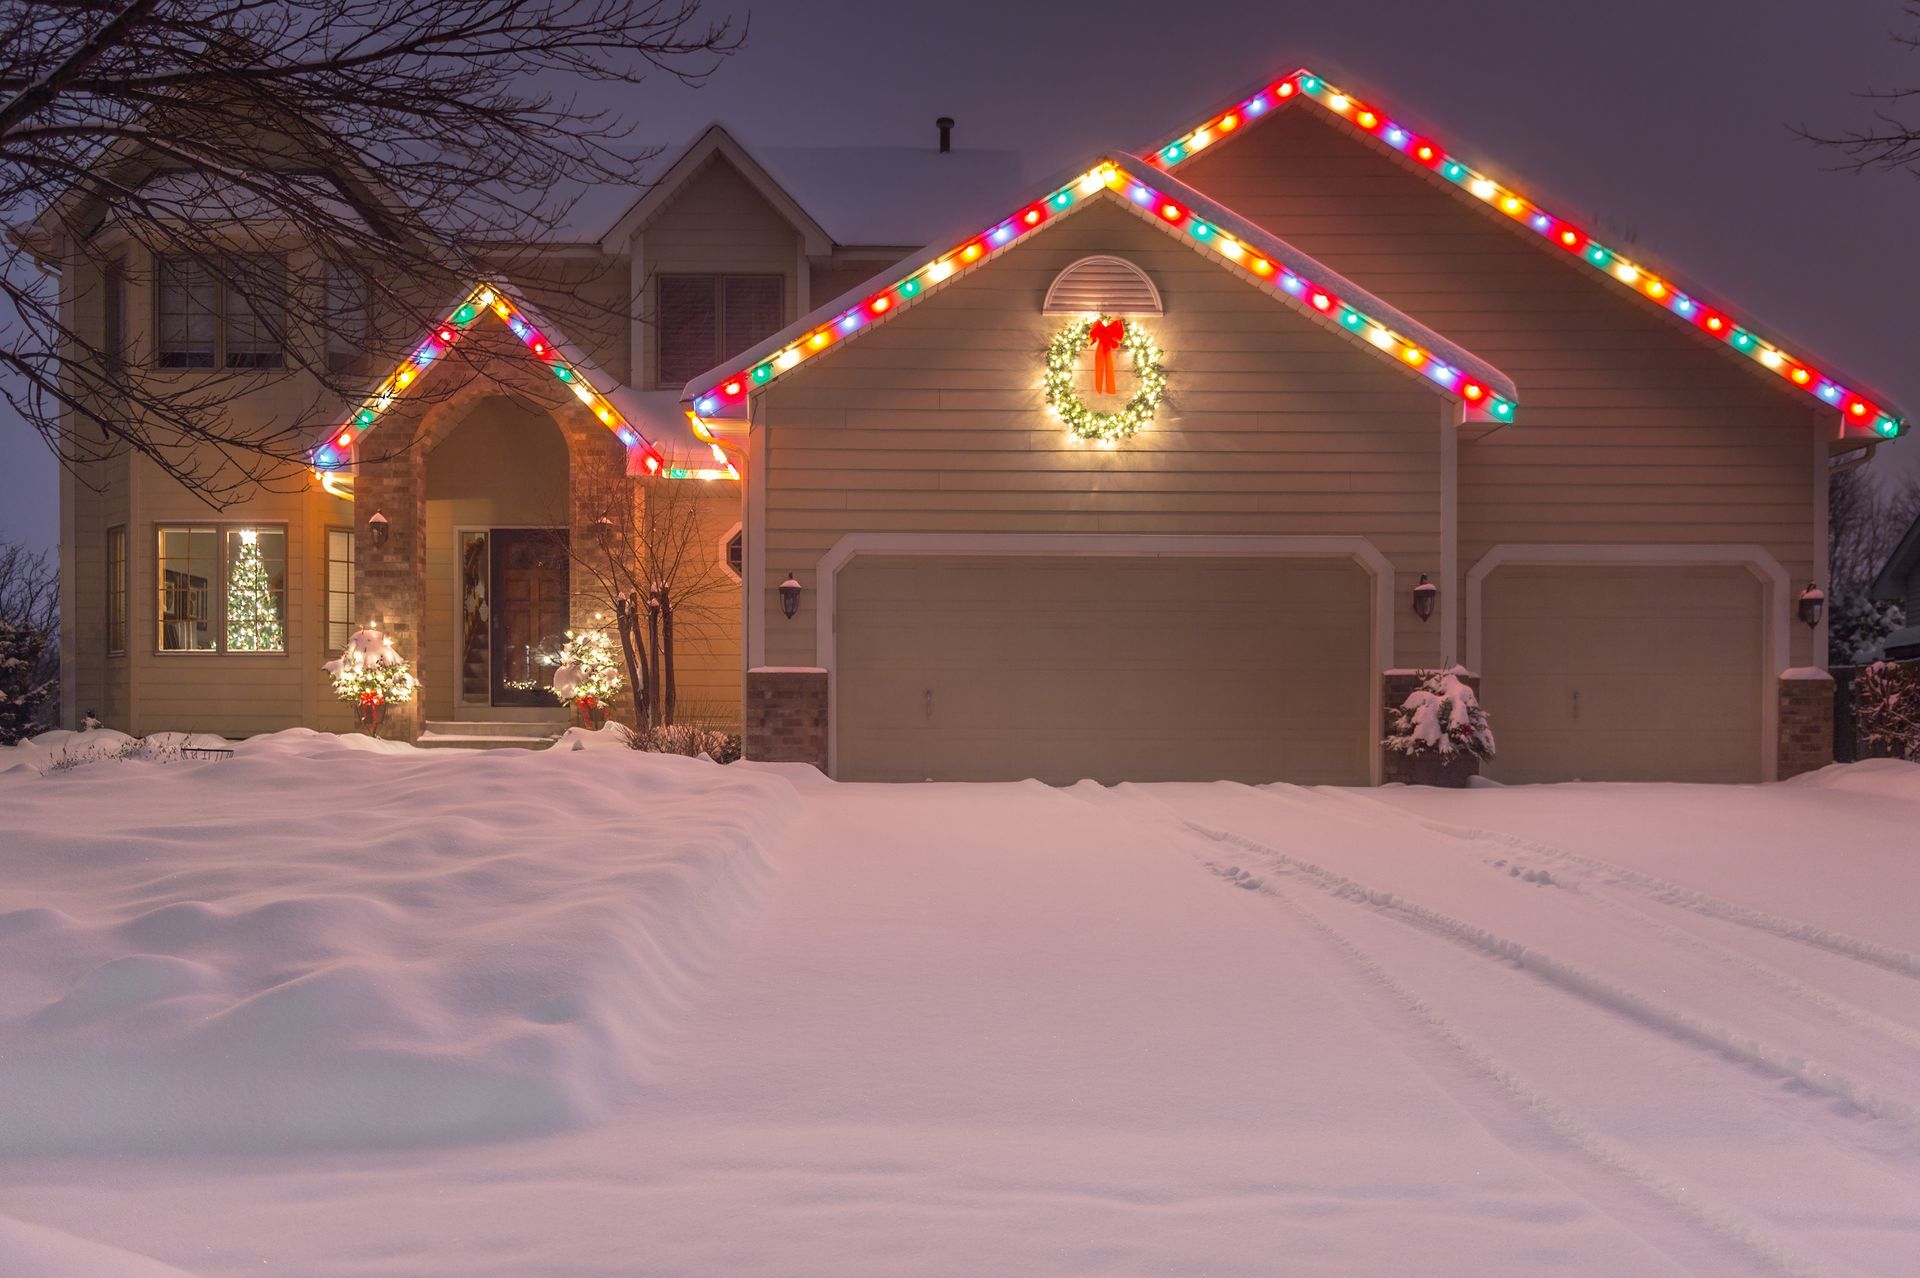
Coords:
1631,427
934,421
717,222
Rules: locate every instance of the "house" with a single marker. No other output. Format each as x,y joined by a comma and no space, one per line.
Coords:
1176,465
1899,582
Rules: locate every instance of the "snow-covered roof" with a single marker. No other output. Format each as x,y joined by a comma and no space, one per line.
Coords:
1860,411
847,195
1236,244
1892,581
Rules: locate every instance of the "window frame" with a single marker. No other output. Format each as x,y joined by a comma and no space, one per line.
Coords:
351,592
739,530
222,316
217,595
717,281
118,581
351,357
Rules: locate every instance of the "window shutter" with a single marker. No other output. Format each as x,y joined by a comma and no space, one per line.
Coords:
755,305
688,323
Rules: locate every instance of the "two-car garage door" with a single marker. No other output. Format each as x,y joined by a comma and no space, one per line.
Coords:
1001,667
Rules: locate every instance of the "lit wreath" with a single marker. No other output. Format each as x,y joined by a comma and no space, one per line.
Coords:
1063,356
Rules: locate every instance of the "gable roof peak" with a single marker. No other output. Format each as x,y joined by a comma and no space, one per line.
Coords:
1862,414
1232,242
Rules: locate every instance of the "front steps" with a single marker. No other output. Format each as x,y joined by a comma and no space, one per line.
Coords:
491,734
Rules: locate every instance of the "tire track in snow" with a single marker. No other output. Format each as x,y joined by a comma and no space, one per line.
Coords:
1593,988
1688,1202
1841,1009
1888,957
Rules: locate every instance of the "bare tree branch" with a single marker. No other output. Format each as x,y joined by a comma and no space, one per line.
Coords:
269,147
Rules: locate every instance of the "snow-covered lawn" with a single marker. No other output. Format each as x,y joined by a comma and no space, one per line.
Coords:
330,1009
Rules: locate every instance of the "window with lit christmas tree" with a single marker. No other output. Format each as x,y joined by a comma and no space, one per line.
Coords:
256,568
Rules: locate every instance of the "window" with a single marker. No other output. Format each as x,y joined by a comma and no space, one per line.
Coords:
704,320
187,292
734,553
222,589
113,317
206,322
348,318
339,589
116,591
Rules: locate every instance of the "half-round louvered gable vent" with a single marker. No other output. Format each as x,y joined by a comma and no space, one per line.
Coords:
1102,285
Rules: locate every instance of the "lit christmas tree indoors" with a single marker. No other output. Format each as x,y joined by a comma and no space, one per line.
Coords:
253,622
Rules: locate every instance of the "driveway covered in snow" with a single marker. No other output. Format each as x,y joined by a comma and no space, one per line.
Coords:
325,1011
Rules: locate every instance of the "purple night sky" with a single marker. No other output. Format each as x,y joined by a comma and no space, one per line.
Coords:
1662,123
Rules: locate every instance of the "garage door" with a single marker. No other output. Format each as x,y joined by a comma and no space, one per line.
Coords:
1623,674
1172,668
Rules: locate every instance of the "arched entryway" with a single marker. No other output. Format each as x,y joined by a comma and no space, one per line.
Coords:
498,517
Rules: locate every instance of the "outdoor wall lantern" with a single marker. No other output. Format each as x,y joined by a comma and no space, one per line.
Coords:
1813,601
377,525
790,596
1424,596
603,532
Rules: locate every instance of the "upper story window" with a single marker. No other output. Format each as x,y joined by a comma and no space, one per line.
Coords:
348,316
113,314
211,322
704,320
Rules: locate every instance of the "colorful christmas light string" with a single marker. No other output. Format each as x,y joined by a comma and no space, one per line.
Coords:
1266,265
1856,409
337,451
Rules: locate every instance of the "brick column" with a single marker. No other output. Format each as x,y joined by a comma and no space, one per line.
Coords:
1398,685
390,581
1806,722
785,717
597,486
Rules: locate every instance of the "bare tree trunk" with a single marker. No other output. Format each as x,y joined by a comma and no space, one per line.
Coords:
653,646
669,693
636,674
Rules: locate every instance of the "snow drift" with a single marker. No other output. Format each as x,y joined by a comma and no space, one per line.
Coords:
317,943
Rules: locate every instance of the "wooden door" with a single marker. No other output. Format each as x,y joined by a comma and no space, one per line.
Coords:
529,612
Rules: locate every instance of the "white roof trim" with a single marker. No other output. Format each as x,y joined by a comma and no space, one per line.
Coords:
1141,174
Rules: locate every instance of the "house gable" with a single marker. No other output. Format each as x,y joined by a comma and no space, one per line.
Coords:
599,393
715,143
1229,241
1251,113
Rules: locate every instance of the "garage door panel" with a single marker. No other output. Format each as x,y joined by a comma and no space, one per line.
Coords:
1623,672
1111,668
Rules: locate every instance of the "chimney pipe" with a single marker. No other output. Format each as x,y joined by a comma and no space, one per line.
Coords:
945,125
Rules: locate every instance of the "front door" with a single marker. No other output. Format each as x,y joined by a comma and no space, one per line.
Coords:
529,612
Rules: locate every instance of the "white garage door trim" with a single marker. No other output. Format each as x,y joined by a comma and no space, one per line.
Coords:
1358,549
1755,559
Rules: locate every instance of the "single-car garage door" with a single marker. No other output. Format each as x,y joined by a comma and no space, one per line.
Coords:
1167,668
1623,673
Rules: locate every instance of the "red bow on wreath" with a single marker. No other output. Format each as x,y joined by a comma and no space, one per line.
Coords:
371,698
1105,335
587,703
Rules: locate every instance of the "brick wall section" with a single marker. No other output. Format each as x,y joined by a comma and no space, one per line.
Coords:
1398,685
390,581
786,717
1806,725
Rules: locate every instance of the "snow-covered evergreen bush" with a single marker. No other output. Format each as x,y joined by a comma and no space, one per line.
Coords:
589,672
22,690
1441,716
1886,709
372,675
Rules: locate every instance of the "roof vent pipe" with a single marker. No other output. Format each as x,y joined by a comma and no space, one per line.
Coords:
945,125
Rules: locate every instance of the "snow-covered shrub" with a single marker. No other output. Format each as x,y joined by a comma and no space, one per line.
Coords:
1886,709
1441,716
690,740
23,691
588,676
372,675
